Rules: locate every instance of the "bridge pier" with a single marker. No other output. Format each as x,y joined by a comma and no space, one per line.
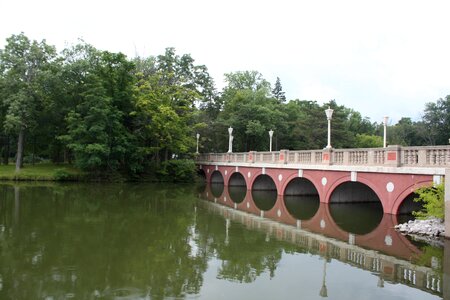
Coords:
447,203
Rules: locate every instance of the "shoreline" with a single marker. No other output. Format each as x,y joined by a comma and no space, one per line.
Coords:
430,228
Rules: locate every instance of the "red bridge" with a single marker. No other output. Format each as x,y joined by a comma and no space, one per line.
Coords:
388,175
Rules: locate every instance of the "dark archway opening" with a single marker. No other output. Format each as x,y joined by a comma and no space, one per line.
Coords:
354,192
237,188
237,179
217,186
201,181
301,199
408,205
201,175
356,208
216,177
264,192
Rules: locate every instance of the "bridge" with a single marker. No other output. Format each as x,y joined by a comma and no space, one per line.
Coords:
388,175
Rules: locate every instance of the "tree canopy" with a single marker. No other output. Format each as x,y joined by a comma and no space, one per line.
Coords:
110,114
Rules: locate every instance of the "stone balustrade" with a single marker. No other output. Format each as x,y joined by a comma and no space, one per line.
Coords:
395,156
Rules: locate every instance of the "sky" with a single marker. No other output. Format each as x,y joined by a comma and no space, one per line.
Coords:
380,58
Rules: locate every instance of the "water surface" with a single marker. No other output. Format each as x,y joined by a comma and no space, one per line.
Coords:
148,241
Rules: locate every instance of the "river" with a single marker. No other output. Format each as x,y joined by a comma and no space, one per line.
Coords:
156,241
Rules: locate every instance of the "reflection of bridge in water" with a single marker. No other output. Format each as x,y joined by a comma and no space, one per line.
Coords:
389,255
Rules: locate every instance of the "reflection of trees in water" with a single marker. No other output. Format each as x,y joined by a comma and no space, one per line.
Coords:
79,238
245,254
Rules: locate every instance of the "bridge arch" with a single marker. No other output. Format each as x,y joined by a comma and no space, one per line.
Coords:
305,176
406,193
263,182
237,179
366,206
217,177
353,191
361,180
301,198
264,192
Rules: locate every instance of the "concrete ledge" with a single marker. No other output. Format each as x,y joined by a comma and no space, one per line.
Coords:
362,168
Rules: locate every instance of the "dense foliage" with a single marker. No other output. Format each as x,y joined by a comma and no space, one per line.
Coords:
433,202
109,114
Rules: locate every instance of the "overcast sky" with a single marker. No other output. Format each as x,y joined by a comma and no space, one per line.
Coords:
377,57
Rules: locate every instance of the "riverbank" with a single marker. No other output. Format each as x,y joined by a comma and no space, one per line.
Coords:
432,227
42,172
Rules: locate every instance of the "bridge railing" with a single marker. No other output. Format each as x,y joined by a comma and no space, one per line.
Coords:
427,156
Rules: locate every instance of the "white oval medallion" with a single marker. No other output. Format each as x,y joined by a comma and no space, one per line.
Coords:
324,181
225,199
249,174
279,213
280,177
207,171
248,205
226,172
322,224
390,187
388,240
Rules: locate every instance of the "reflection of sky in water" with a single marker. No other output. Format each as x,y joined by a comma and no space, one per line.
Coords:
300,276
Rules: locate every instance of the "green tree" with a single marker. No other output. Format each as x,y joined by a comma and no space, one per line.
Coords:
436,118
277,91
368,141
249,108
100,102
433,201
24,66
169,90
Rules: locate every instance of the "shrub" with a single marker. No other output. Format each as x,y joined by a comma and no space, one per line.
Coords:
177,170
433,201
62,175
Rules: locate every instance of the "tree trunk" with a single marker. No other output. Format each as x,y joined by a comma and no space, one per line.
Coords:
8,151
19,159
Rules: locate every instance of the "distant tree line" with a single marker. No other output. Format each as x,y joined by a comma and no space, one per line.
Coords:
107,113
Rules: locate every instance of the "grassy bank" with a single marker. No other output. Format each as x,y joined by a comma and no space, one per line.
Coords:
44,172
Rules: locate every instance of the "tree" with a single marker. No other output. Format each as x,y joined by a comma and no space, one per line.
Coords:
433,201
168,92
100,88
437,120
24,64
368,141
277,91
249,108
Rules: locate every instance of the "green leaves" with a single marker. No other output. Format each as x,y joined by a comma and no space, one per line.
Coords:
432,199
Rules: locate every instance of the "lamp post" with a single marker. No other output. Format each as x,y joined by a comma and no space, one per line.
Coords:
323,291
270,137
385,120
198,136
230,141
329,113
